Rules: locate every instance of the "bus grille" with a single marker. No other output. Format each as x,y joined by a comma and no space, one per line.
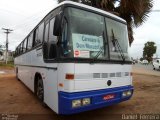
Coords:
100,75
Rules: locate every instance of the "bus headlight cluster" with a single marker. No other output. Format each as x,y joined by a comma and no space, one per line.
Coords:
81,102
127,93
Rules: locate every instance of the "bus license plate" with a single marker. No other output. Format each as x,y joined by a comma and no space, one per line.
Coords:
108,97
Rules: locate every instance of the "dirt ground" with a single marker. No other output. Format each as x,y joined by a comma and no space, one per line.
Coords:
17,100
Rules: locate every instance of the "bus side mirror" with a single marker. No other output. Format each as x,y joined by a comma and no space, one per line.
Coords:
57,25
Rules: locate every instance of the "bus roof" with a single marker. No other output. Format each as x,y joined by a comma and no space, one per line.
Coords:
91,8
80,5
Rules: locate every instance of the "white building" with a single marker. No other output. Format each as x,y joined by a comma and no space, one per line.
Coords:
3,55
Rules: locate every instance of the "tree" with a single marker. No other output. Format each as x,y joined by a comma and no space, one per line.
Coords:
135,12
148,50
141,59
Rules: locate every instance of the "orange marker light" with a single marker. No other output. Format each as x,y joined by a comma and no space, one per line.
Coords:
60,84
69,76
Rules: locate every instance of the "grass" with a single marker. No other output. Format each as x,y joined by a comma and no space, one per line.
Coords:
9,65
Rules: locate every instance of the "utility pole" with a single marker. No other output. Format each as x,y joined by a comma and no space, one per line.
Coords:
7,31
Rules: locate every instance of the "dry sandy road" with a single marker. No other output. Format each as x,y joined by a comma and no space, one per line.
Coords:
17,100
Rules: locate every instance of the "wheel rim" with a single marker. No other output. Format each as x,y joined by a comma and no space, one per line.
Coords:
40,90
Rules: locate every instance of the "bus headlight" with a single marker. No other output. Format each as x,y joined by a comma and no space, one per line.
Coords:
76,103
86,101
127,93
124,94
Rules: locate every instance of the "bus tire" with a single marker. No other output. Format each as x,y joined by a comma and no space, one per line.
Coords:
39,90
17,73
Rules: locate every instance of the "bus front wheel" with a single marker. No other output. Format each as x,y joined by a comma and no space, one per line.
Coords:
17,73
40,89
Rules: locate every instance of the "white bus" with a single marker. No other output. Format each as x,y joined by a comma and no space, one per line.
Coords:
76,59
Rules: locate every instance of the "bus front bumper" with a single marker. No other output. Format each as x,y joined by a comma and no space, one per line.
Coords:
98,99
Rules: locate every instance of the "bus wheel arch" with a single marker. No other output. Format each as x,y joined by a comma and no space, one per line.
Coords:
38,86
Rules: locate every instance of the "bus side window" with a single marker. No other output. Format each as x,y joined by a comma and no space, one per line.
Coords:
65,45
38,35
21,48
45,45
18,50
24,45
30,41
52,40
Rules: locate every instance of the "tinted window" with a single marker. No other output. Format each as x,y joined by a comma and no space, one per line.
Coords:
30,41
46,33
51,36
39,34
45,46
18,51
36,41
52,40
64,37
21,48
24,45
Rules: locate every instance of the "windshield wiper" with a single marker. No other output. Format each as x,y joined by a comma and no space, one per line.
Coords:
116,43
97,55
100,50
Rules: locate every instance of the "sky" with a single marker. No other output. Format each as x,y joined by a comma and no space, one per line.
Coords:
23,15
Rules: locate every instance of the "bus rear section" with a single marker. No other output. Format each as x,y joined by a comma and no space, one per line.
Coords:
93,86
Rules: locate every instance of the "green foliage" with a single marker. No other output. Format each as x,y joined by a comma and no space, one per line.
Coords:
148,50
141,59
135,12
8,65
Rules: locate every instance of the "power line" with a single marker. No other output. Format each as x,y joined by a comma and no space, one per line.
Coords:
7,31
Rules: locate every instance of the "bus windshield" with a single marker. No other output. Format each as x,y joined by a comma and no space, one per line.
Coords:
87,36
